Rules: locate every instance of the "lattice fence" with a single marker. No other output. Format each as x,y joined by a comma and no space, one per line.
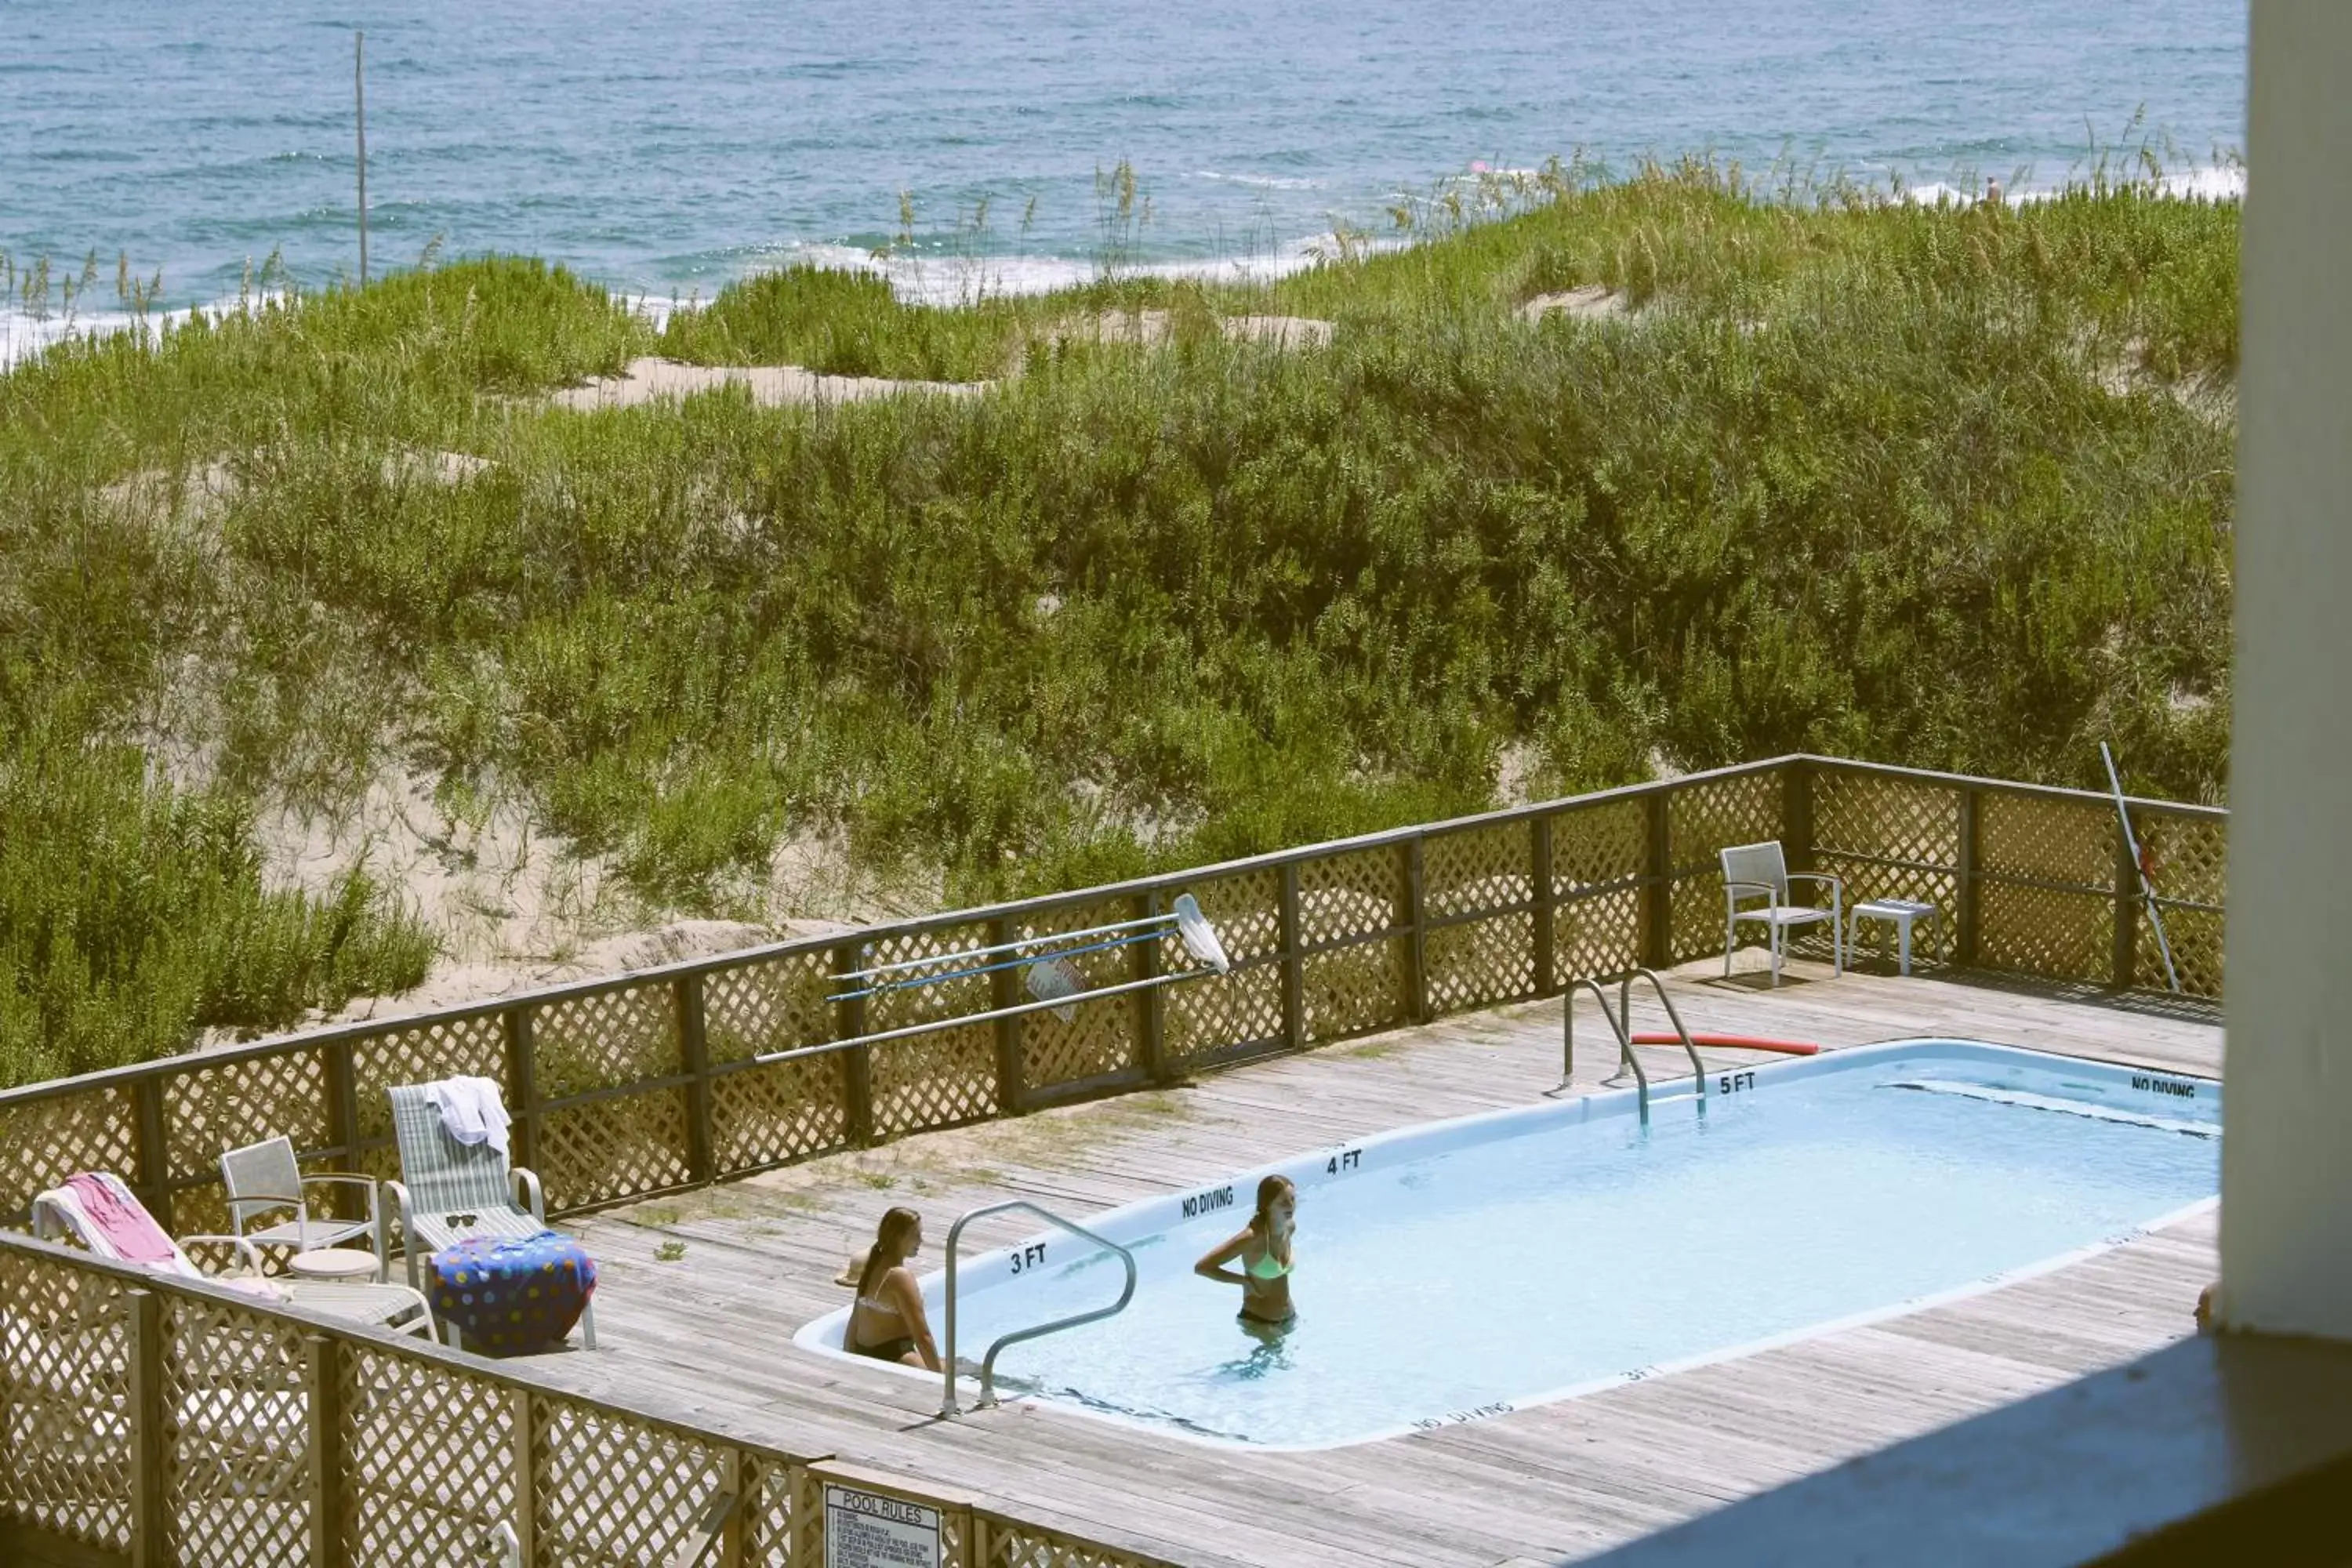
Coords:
1352,898
1480,962
764,1116
1599,933
2189,858
2045,900
209,1108
1700,821
1100,1037
610,1487
767,1512
1598,854
615,1147
236,1424
65,1400
1477,871
1203,1018
1013,1544
471,1044
776,1004
1891,838
1477,962
43,1141
604,1039
428,1460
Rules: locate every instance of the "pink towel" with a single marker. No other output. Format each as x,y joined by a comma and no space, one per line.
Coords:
115,1214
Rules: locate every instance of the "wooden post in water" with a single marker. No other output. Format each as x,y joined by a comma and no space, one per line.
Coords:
359,97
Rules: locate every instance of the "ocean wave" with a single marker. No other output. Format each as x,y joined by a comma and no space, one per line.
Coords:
2218,182
1262,182
23,335
961,279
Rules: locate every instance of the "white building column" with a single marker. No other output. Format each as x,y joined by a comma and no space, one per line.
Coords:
2286,1159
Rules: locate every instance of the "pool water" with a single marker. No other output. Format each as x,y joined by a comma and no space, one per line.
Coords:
1456,1271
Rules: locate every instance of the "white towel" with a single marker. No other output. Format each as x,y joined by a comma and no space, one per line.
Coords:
471,1110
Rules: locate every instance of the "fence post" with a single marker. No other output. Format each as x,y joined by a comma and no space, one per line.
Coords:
526,1475
1547,965
2125,957
321,1363
1150,1006
1004,991
732,1471
1797,811
1416,943
154,1149
343,1105
1966,919
857,1062
149,1547
1294,980
1658,874
522,1075
694,1056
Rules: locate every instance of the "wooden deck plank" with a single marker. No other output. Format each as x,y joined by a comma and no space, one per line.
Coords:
706,1335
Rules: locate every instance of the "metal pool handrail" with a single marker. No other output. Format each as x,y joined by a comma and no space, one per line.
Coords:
1567,1030
1619,1020
988,1363
1625,1028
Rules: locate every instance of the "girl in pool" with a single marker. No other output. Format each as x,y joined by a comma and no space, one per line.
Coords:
888,1321
1263,1250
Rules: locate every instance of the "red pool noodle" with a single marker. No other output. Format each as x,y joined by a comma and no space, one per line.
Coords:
1734,1042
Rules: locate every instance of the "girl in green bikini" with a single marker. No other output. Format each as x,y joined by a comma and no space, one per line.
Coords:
1263,1250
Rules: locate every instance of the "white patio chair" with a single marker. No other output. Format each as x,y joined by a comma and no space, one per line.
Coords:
262,1178
1757,870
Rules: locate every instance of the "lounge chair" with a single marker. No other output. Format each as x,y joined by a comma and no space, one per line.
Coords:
450,1191
103,1215
263,1178
1757,870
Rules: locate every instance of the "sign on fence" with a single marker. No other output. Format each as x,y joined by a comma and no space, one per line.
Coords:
868,1529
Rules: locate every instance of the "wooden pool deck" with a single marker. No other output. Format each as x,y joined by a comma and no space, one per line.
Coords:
706,1335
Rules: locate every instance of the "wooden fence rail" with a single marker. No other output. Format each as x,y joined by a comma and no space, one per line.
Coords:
645,1083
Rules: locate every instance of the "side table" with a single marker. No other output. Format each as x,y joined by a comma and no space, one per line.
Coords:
1900,914
333,1263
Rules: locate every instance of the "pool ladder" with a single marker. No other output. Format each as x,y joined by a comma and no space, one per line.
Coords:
948,1405
1621,1024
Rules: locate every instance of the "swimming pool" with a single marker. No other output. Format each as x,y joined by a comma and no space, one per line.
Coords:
1462,1269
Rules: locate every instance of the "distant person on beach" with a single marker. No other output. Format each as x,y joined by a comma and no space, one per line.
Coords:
1993,192
1263,1248
887,1319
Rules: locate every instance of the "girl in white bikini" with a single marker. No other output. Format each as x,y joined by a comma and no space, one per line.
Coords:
888,1321
1263,1250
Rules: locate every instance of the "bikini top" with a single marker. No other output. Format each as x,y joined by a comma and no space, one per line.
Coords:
1266,1266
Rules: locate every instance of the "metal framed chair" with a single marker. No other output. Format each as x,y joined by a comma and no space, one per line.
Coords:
264,1178
449,1192
1757,870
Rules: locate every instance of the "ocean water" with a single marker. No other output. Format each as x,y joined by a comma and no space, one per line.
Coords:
664,149
1459,1272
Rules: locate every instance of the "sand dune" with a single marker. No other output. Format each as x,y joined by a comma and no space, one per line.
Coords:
651,379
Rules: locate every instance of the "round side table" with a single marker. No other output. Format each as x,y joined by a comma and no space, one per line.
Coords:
332,1263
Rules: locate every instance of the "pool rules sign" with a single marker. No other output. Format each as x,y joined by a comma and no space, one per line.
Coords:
868,1529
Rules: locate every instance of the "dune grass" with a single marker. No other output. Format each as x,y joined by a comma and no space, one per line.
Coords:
1940,486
